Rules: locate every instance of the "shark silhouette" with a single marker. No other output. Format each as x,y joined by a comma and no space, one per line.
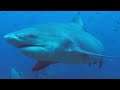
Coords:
52,43
14,74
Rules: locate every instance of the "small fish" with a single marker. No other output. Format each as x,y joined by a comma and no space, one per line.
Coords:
115,29
98,12
116,21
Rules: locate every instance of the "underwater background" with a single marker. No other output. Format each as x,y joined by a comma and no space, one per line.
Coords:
105,25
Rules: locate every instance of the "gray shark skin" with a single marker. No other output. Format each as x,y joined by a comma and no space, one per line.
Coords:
58,42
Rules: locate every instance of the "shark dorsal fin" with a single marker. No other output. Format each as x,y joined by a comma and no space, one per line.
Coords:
77,19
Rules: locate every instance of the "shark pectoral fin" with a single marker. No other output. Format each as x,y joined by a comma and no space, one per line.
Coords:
42,64
94,54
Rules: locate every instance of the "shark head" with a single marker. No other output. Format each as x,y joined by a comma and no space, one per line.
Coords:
45,41
39,42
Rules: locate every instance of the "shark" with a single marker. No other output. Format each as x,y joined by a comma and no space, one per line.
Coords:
56,42
14,74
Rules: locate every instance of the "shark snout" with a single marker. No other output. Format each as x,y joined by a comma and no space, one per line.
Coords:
12,39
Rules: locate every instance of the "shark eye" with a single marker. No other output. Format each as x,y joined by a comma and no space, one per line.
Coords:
31,36
20,37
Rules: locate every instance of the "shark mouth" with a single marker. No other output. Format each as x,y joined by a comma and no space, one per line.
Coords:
23,46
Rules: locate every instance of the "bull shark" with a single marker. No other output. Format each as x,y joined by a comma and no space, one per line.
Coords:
57,42
14,74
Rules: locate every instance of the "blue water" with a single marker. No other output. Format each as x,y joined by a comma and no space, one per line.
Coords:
105,25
